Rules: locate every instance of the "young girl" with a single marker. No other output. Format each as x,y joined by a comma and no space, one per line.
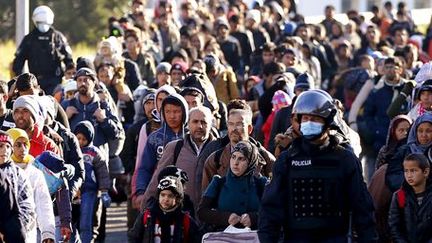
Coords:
411,206
165,221
424,95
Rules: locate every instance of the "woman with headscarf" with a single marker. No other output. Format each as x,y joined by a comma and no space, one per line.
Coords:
381,195
396,137
42,199
419,140
235,198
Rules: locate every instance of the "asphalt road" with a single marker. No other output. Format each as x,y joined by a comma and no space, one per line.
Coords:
116,228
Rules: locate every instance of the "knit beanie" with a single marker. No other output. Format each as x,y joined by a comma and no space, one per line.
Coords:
86,129
163,67
5,138
47,103
16,133
173,171
181,66
280,100
30,103
173,184
304,81
86,72
251,152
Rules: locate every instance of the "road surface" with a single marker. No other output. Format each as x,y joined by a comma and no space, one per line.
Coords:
116,228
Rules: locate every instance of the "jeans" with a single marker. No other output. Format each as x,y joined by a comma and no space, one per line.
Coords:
90,215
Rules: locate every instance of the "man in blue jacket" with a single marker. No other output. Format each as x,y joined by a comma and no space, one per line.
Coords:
86,105
174,117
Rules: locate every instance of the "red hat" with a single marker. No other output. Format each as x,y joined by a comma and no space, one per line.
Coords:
182,66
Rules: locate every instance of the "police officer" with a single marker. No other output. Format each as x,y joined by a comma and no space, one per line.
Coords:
317,188
46,50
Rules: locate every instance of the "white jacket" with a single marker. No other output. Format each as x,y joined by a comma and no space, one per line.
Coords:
43,202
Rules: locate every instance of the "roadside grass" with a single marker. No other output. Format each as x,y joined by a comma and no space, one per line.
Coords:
8,48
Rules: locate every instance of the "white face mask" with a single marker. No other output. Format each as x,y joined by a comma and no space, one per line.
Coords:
42,27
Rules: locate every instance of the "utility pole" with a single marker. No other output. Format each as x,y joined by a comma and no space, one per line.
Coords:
21,20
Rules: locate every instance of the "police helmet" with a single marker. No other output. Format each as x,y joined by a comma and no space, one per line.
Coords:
317,103
43,14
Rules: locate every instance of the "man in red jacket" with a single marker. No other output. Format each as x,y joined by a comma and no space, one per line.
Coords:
25,114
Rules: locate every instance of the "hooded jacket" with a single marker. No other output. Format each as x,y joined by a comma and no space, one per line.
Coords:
394,174
392,144
94,161
145,133
156,142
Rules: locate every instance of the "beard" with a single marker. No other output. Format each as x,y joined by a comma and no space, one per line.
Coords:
83,90
22,124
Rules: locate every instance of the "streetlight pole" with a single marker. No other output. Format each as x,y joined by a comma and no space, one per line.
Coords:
21,20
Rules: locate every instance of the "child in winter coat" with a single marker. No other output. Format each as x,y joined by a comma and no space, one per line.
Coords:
280,100
42,198
411,206
96,182
424,96
165,222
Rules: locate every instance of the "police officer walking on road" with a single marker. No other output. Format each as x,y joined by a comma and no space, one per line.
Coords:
317,189
46,50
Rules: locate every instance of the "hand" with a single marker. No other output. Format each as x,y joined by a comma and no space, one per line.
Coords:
245,220
234,219
66,233
282,140
137,202
48,241
106,199
100,114
71,111
408,88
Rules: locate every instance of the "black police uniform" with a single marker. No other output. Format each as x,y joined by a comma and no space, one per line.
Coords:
47,55
313,190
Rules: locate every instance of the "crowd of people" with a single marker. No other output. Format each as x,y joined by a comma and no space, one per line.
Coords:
218,114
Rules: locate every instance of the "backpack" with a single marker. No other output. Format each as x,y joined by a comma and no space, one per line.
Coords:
53,179
186,223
